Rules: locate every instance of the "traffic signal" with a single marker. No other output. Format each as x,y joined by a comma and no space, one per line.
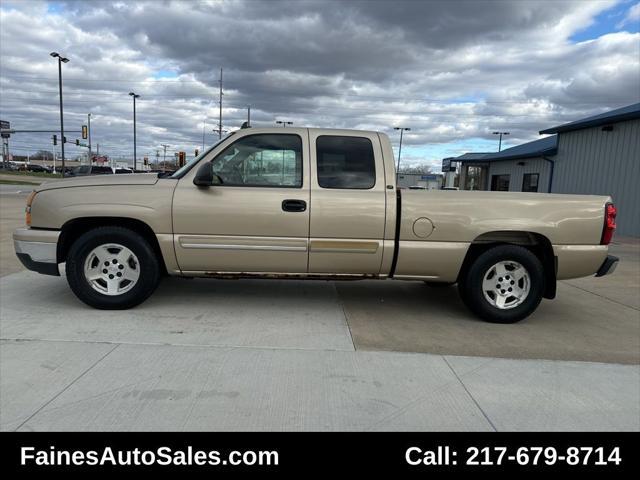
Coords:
84,132
146,160
181,158
55,139
197,152
77,142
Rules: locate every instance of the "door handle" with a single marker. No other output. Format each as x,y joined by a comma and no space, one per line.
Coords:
294,205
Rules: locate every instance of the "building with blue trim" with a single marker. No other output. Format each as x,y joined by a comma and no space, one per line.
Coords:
598,155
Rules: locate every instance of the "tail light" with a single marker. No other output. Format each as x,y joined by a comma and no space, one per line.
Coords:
610,213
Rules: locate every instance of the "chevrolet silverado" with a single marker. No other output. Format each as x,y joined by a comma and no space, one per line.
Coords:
309,203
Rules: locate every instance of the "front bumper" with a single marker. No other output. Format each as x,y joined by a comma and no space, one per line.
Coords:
37,249
608,266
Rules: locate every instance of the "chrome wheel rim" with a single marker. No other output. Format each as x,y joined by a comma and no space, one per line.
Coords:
112,269
506,285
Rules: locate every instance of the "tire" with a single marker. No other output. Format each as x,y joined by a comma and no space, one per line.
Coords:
438,284
518,273
128,273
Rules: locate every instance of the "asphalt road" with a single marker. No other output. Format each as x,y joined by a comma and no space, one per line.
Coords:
290,355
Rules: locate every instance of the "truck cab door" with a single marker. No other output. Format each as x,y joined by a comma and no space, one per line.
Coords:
348,203
257,219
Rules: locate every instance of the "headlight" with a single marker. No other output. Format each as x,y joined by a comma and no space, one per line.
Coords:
27,210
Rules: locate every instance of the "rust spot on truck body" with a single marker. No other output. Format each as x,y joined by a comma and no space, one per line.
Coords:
291,276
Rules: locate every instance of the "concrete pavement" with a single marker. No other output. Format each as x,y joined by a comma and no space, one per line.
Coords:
242,313
591,319
286,355
268,355
98,386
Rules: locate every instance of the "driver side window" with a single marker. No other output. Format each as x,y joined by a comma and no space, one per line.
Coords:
261,160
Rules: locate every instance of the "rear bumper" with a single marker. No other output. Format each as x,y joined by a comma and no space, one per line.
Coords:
576,261
608,266
37,249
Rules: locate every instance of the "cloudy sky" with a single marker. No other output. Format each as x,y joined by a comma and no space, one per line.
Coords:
452,71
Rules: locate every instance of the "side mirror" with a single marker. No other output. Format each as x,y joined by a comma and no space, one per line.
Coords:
205,177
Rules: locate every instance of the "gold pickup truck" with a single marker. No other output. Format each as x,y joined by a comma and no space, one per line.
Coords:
309,203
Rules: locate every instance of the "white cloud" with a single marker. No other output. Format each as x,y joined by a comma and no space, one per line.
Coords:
452,71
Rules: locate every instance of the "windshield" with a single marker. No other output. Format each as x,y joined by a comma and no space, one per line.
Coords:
185,168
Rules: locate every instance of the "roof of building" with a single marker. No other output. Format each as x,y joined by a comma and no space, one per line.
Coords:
470,156
630,112
537,148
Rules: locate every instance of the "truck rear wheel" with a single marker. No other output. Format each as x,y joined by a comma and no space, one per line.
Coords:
112,268
504,284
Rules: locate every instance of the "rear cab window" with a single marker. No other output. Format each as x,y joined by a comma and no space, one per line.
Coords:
345,162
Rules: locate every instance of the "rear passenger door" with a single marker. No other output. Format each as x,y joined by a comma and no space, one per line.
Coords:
348,203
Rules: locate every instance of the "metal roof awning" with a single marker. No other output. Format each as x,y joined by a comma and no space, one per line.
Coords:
544,147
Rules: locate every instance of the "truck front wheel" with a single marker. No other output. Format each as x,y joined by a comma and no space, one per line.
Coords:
112,268
504,284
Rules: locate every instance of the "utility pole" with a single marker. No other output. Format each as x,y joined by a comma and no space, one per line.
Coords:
164,158
220,105
5,151
248,115
402,130
134,128
500,141
61,60
157,157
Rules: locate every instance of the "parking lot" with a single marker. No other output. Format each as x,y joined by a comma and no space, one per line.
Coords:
290,355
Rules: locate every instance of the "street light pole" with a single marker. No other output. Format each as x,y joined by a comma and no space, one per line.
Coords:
500,140
61,60
134,96
204,125
220,107
402,130
89,134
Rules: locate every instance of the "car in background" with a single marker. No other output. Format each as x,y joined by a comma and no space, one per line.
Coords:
92,170
68,171
34,167
84,170
8,166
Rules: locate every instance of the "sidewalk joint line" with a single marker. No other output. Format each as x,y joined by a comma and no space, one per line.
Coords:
470,395
344,314
565,282
66,388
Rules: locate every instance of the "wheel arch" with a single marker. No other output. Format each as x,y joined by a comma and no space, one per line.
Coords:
72,229
538,244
